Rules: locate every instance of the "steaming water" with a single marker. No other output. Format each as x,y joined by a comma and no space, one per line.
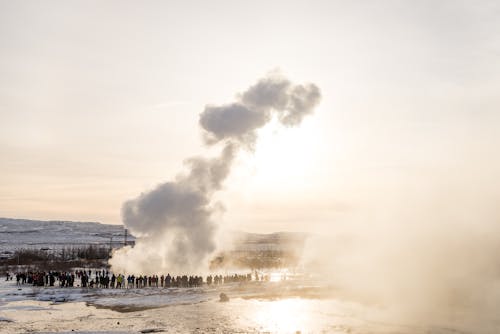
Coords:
305,305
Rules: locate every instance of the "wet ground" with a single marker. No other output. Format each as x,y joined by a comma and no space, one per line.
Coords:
256,307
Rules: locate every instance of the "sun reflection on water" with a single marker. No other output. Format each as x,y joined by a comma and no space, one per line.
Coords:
287,315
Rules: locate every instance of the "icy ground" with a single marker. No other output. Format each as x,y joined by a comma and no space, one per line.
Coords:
256,307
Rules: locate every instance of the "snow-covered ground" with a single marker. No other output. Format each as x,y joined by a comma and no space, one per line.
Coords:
255,307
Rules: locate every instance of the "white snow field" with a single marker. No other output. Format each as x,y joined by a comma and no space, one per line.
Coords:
302,306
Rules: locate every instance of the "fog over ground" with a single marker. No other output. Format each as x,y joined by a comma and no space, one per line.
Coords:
425,243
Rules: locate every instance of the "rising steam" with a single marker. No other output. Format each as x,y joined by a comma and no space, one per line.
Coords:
173,222
427,250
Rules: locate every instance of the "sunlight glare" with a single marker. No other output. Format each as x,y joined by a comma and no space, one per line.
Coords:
284,316
285,156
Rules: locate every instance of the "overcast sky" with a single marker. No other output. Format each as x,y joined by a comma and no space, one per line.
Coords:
99,101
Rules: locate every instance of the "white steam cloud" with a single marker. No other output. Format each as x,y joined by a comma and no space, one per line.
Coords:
240,119
173,223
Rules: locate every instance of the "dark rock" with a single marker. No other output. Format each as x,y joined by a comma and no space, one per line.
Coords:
223,297
153,330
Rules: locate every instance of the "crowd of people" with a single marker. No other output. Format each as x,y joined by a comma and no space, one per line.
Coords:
37,278
107,280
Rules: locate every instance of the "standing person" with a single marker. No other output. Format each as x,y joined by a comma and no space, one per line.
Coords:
84,280
52,279
168,279
119,281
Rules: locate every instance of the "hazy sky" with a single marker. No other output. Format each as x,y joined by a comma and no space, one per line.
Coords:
100,101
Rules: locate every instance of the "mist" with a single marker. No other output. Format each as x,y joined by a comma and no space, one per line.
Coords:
423,245
174,223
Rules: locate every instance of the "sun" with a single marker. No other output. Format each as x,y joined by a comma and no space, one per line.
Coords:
284,156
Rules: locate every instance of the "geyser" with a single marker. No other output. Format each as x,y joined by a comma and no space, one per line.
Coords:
173,223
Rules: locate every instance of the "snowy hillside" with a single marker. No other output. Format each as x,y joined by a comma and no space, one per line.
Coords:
23,233
52,235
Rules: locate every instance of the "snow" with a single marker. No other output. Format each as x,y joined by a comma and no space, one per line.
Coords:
256,307
23,233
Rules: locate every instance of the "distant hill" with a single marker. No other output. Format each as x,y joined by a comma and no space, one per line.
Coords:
25,233
247,249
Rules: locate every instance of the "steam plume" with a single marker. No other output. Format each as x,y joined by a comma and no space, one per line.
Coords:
173,222
239,120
